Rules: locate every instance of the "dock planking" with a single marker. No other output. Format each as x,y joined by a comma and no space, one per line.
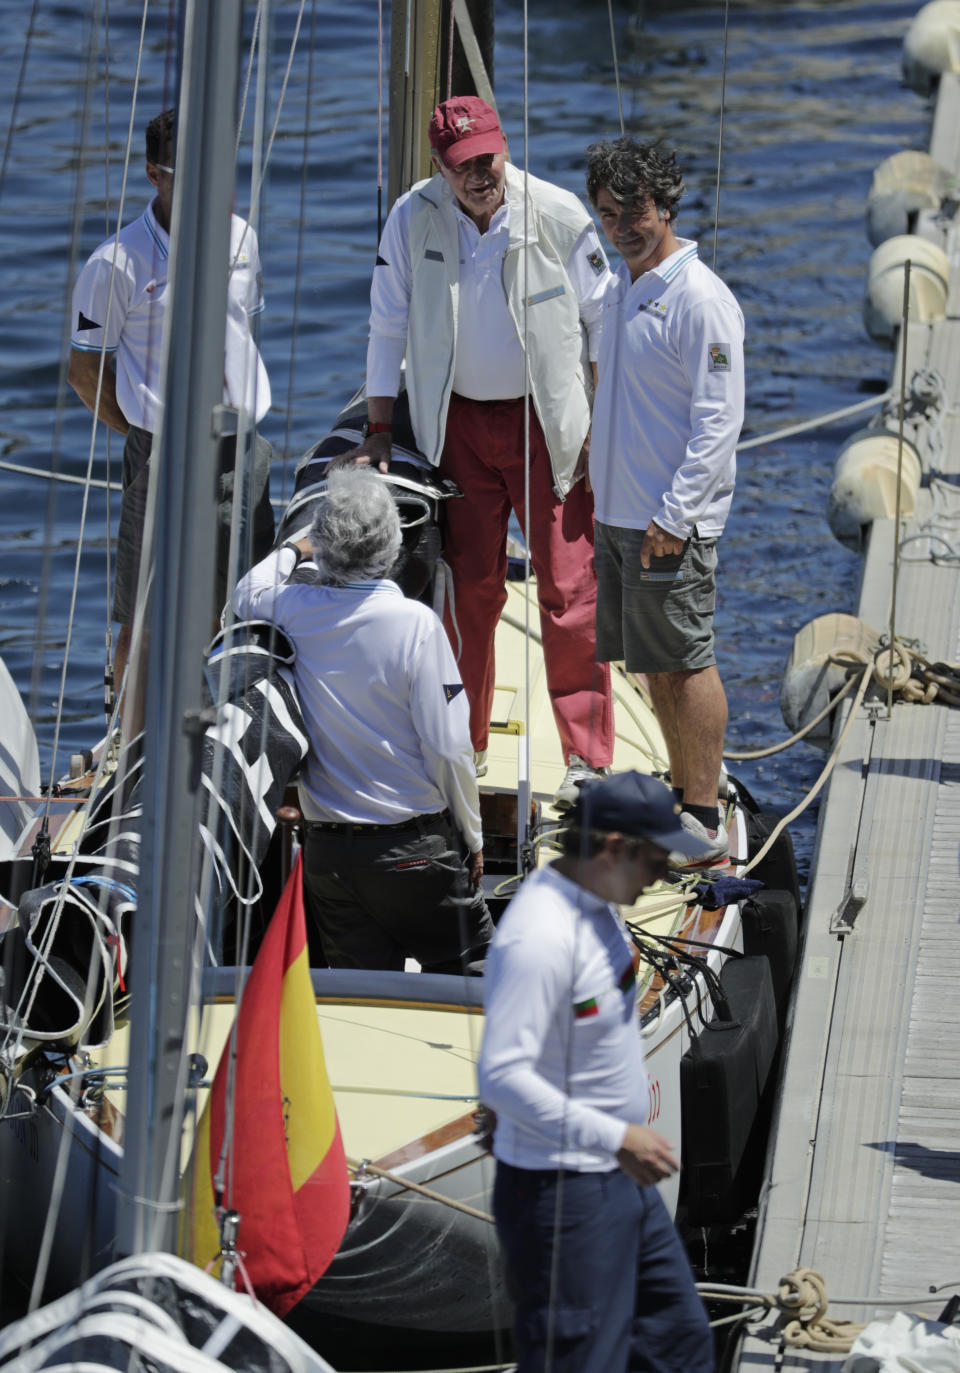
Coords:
864,1167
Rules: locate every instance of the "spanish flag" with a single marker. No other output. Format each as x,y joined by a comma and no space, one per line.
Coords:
283,1167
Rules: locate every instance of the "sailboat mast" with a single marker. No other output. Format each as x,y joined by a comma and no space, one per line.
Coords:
165,939
422,74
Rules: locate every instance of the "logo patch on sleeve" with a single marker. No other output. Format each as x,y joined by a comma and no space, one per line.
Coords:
718,357
84,323
597,262
452,690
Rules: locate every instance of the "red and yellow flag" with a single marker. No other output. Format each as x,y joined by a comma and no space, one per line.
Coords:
285,1171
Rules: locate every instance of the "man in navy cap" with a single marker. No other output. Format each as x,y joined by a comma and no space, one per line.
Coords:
600,1279
490,283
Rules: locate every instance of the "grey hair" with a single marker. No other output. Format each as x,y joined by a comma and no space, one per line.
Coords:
356,531
633,171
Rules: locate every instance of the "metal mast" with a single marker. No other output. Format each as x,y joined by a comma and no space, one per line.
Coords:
165,938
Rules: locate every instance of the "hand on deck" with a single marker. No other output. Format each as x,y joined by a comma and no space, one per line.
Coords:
658,543
646,1156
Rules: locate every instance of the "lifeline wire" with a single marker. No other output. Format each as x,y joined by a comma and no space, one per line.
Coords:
758,441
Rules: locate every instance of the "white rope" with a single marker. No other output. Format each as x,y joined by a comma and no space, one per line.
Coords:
759,440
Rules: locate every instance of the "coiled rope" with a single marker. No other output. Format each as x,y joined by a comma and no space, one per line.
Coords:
801,1295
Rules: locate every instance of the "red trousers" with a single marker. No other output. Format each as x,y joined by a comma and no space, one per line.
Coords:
483,454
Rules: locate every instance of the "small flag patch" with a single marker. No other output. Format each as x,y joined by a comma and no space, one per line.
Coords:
452,690
84,323
718,357
597,262
629,978
582,1010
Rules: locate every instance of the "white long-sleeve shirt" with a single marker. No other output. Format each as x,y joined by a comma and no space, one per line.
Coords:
669,402
381,696
562,1061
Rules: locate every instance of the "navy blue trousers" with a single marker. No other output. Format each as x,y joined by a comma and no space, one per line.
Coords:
600,1279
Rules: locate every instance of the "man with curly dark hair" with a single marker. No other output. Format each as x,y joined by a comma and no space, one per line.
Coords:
667,415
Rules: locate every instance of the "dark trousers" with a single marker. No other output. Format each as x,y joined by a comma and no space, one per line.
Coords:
601,1281
256,531
379,893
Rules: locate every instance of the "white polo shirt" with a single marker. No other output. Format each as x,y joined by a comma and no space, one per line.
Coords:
123,309
489,363
382,700
562,1060
669,402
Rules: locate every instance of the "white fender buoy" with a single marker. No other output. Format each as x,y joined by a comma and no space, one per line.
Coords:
929,285
810,679
865,483
903,185
932,45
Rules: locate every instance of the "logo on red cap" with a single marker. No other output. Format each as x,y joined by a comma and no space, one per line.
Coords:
463,127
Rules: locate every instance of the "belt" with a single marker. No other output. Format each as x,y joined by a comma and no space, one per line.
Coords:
352,827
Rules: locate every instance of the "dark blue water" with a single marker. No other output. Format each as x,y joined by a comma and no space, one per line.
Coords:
813,104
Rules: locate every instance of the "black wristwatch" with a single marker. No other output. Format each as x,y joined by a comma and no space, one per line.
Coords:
296,552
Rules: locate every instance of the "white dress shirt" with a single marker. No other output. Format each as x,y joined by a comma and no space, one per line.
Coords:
382,700
562,1060
669,402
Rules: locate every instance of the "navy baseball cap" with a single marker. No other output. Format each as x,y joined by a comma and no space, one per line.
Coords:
640,806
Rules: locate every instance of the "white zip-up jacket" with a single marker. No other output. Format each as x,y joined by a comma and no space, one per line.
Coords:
547,228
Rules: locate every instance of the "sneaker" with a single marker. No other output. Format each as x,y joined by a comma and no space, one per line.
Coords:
718,852
576,774
480,762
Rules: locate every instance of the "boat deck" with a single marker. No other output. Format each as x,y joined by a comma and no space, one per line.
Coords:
865,1163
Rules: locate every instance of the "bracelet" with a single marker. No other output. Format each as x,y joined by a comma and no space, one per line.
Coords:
376,428
296,552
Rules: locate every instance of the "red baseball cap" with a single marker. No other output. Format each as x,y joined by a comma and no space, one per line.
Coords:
464,126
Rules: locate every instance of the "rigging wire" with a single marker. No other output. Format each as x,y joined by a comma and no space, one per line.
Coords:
74,592
18,91
723,103
301,222
379,121
616,68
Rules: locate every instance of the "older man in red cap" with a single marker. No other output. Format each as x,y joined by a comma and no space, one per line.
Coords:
489,282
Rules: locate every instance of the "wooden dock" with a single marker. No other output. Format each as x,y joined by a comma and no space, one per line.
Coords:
864,1177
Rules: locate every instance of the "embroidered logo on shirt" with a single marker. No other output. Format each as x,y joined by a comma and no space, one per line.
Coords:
628,979
718,357
653,306
452,690
583,1010
84,323
596,262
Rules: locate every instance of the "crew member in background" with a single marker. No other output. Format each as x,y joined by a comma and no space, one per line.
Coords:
600,1279
449,294
388,789
119,304
668,413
